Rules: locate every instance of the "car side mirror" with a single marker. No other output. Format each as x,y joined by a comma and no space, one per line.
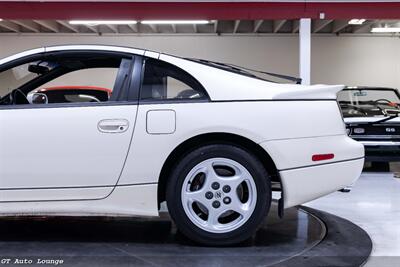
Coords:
39,98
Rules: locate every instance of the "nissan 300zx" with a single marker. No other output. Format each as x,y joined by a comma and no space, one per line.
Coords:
210,139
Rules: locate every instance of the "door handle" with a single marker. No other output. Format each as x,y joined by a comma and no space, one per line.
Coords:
113,126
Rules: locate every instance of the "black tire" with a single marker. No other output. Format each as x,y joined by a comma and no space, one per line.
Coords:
189,161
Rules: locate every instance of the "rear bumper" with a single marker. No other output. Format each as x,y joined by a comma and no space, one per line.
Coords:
301,185
303,179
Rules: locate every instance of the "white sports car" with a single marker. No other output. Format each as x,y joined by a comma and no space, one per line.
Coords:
210,139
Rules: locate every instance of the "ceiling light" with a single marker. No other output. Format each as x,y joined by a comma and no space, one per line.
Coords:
356,21
385,29
176,22
1,19
102,22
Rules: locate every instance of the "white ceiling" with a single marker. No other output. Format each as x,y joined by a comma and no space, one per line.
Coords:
214,27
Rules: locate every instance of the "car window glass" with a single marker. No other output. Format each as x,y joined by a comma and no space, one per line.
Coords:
80,86
69,79
367,96
15,77
101,77
163,81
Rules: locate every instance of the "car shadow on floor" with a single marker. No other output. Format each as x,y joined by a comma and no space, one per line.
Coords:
297,227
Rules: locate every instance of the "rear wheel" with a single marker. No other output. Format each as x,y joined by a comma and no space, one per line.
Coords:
218,194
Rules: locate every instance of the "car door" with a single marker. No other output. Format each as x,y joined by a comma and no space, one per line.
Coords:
68,151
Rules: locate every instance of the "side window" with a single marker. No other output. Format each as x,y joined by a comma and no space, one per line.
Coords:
80,86
67,78
17,76
163,81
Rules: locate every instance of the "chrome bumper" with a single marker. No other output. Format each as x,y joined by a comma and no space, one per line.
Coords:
380,143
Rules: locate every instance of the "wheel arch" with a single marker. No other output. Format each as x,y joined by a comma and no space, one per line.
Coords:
213,138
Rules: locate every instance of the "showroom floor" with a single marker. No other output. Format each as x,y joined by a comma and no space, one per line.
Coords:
374,205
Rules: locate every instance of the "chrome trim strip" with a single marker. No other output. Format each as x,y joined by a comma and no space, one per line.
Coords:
380,143
374,136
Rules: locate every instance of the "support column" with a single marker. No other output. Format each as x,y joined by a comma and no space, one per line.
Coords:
305,51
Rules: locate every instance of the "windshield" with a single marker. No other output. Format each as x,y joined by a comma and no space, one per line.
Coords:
367,96
369,102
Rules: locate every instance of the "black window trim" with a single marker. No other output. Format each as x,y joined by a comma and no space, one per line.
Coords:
133,85
204,99
136,79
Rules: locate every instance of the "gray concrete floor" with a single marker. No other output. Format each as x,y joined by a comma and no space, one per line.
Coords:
374,205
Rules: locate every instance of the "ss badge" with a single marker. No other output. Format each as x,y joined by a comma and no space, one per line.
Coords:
390,130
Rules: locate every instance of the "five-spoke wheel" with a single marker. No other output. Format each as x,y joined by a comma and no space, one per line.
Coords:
218,194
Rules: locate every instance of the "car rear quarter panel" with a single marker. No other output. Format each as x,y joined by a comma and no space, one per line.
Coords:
259,121
293,153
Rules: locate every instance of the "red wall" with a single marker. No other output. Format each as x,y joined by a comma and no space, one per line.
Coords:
197,10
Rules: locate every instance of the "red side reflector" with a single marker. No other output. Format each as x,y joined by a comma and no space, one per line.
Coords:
318,157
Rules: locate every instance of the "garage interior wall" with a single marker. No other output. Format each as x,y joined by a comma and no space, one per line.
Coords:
355,60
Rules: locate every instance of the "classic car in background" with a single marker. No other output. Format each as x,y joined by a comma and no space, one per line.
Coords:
69,94
371,117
